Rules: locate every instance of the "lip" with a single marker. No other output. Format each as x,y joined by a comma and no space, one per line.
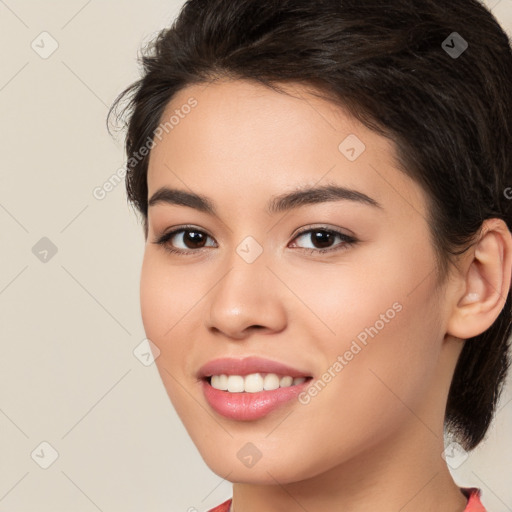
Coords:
249,406
246,366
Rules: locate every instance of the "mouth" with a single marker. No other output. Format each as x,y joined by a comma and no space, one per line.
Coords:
250,389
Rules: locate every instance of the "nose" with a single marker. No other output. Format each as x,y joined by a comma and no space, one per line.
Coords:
247,298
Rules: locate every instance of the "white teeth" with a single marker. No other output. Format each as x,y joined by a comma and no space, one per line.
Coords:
270,382
220,382
285,382
253,383
235,383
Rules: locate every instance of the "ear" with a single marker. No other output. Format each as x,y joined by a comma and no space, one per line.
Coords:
485,275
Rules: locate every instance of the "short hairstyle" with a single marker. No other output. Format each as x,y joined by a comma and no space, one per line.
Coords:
432,76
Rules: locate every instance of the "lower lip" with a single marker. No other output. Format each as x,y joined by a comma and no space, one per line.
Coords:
249,406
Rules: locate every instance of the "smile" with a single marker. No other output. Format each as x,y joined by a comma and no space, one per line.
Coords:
253,383
248,389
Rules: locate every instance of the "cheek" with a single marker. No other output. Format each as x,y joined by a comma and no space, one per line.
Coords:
387,341
153,300
172,303
166,295
165,300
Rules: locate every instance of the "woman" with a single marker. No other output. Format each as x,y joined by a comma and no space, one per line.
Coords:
326,277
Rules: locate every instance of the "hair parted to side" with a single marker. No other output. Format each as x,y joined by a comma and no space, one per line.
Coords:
449,118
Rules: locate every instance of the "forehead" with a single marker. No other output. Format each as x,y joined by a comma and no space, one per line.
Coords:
249,137
236,116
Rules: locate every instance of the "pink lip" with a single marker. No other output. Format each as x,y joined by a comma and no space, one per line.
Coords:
230,366
248,406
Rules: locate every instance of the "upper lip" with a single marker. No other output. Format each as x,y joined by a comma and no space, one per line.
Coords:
246,366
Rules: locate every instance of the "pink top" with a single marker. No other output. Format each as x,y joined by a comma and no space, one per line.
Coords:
472,493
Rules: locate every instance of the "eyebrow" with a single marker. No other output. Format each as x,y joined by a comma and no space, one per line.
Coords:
277,204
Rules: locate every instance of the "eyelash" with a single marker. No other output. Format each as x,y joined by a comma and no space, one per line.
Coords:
347,240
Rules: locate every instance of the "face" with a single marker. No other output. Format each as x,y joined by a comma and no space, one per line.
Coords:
363,321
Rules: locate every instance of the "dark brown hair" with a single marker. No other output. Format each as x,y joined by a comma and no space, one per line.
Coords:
444,99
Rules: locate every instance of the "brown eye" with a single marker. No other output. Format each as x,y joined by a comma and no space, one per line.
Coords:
193,239
322,239
183,240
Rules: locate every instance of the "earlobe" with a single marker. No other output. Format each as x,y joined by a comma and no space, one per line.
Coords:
487,273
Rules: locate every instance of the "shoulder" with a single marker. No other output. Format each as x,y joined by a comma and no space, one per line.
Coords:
474,503
223,507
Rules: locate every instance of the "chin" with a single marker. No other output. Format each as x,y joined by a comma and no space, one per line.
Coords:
264,475
264,472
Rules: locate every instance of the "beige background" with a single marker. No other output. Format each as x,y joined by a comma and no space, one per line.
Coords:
70,324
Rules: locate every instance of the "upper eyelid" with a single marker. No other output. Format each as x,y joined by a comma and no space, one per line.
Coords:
306,229
321,227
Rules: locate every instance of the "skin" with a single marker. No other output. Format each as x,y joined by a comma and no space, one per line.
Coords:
372,438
